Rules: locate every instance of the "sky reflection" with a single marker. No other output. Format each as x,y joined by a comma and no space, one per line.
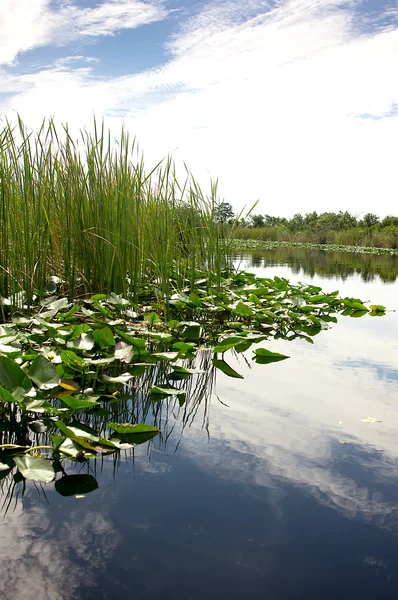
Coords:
281,490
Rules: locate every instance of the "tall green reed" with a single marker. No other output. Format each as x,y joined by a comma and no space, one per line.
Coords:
88,211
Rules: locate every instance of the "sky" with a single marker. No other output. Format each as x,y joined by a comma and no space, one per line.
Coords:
293,103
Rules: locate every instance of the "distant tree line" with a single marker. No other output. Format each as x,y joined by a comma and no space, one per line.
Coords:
324,228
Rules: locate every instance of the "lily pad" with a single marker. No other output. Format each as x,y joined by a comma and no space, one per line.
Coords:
43,373
226,369
35,468
124,378
12,377
72,485
167,391
132,428
263,356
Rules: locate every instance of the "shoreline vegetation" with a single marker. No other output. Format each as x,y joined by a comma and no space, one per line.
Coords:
328,229
258,244
114,283
89,212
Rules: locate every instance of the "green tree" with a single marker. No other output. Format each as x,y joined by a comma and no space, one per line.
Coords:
224,213
270,221
389,221
310,219
369,220
296,223
257,221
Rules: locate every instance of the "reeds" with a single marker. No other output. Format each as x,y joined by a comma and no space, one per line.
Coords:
88,211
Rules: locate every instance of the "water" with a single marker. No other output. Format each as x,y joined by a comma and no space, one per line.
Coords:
253,494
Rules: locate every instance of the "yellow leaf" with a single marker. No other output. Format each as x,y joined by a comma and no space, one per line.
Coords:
69,384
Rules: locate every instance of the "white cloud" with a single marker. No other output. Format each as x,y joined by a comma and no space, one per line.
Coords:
289,105
288,433
25,25
37,551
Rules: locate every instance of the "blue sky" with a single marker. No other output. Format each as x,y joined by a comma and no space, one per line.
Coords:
290,102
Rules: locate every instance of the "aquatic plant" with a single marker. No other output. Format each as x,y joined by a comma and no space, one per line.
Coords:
64,361
256,244
89,211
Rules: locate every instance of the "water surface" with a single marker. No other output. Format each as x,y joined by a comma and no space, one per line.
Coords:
252,494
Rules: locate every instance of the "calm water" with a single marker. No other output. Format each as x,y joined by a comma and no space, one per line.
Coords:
249,494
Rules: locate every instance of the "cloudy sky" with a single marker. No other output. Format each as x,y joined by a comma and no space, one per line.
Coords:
291,102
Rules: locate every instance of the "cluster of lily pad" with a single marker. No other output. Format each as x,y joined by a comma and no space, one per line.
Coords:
254,244
64,362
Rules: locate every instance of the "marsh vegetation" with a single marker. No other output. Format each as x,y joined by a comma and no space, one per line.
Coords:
115,282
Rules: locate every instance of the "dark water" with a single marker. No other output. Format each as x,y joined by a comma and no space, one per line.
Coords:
258,499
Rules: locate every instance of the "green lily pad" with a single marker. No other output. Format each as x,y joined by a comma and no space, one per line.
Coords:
12,377
43,373
135,428
263,356
70,485
35,468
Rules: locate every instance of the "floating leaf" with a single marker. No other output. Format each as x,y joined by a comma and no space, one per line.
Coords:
117,299
192,332
12,377
101,361
78,403
37,426
78,330
139,368
104,338
78,430
225,368
355,304
41,406
69,384
83,342
71,447
71,359
120,444
377,308
124,352
166,355
167,391
299,301
138,438
230,342
51,284
124,378
135,428
137,342
133,434
35,468
72,485
97,297
370,420
43,373
160,335
178,369
184,348
55,303
263,356
11,351
5,395
152,318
